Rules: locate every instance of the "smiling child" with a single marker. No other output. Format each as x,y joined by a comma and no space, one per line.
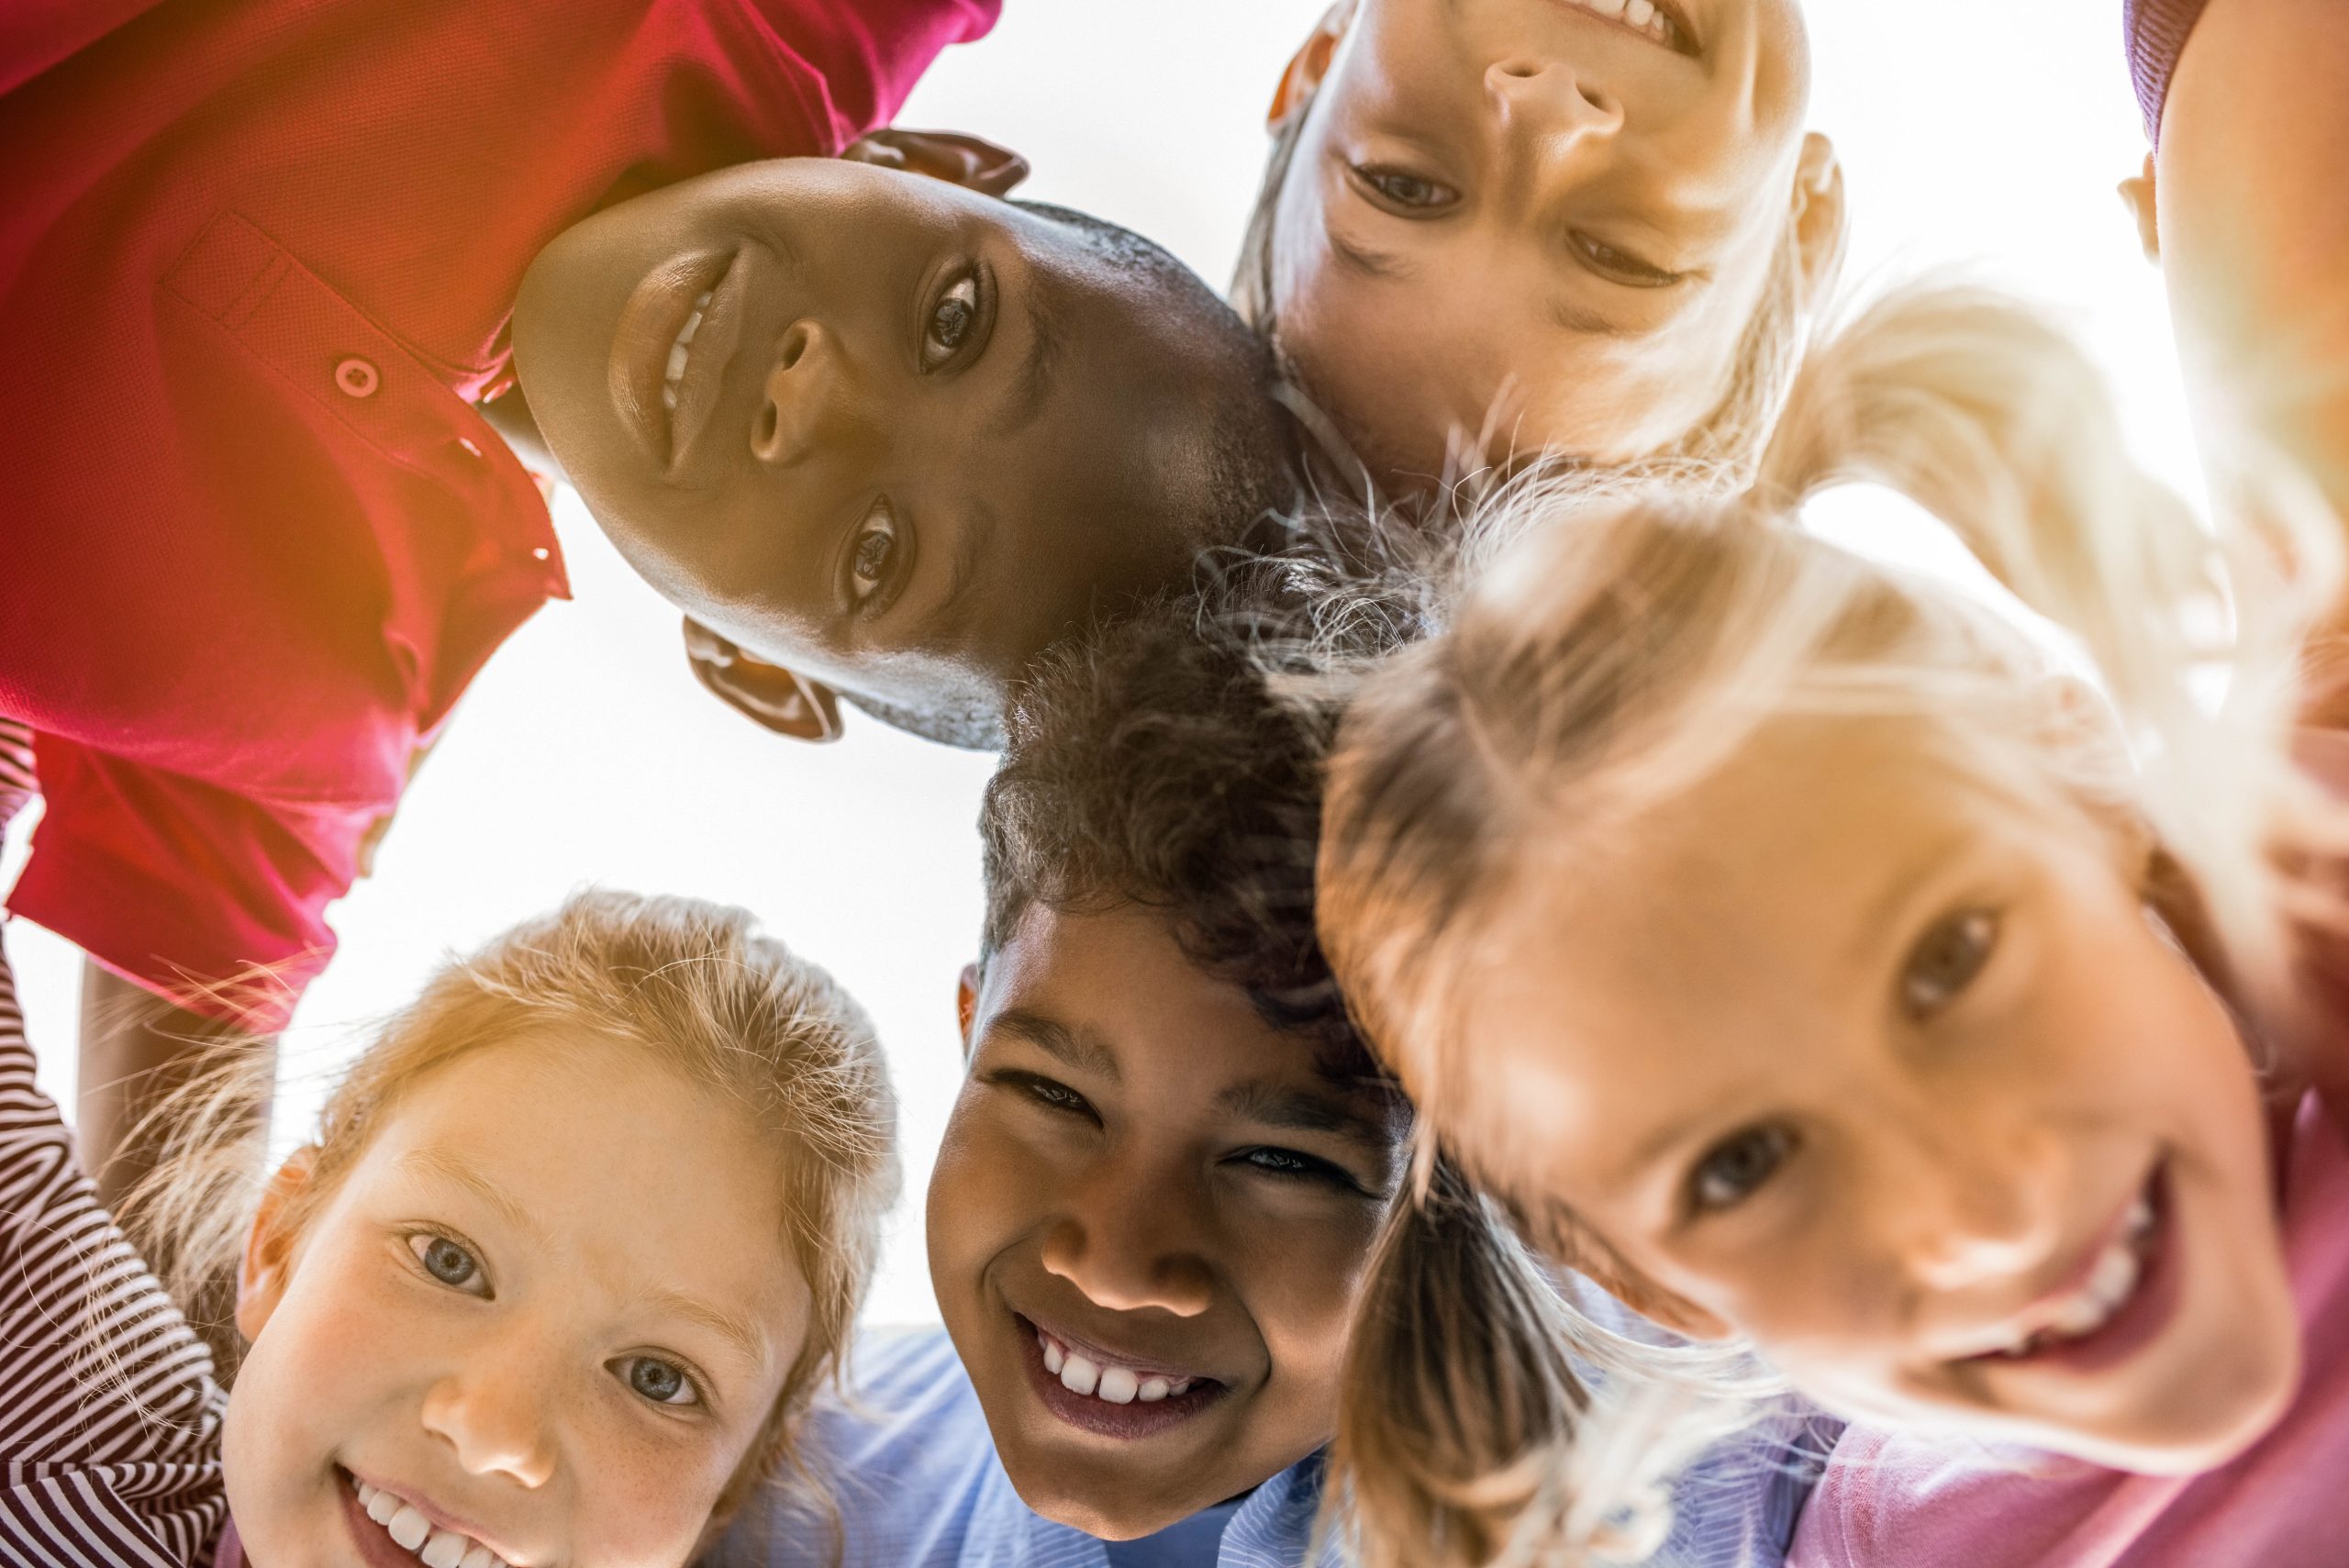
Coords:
1172,1159
1800,947
579,1236
1499,227
267,273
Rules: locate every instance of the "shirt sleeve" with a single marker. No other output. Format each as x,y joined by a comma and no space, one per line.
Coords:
109,1415
211,900
867,54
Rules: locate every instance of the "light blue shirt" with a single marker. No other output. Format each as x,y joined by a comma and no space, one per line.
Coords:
909,1462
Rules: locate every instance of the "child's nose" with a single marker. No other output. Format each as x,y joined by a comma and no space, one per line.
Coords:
799,389
1546,110
1971,1220
492,1414
1127,1271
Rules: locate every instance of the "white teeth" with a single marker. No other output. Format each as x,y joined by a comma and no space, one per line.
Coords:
407,1527
1640,13
405,1524
1113,1385
678,353
445,1550
1605,8
2139,1219
1643,14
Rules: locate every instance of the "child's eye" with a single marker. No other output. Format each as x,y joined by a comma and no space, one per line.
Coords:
1947,959
661,1382
953,317
1413,196
1059,1096
1621,266
449,1262
1290,1165
1732,1169
871,552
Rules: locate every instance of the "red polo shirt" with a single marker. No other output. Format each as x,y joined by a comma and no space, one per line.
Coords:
257,258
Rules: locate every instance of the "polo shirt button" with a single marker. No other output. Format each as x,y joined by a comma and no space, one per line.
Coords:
356,377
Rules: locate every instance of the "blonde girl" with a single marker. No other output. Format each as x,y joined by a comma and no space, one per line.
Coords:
578,1237
1490,227
1795,946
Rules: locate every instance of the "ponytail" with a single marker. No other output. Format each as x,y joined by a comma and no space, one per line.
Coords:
1990,418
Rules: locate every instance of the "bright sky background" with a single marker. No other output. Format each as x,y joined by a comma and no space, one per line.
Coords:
1989,134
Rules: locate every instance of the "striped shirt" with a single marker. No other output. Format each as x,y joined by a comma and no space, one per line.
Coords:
2156,32
109,1415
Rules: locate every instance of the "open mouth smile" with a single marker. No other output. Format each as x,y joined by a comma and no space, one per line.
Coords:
1662,25
391,1528
2124,1294
1101,1391
670,349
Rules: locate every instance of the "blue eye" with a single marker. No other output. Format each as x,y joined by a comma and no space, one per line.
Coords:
449,1262
661,1382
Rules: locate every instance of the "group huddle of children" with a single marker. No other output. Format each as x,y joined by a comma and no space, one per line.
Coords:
1530,1010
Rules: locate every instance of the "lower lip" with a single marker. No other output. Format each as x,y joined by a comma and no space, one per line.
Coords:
1625,28
377,1548
1099,1417
2142,1318
648,325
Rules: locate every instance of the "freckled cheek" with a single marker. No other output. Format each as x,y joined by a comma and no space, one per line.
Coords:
645,1494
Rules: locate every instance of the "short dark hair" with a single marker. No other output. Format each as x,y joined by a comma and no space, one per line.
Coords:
1158,760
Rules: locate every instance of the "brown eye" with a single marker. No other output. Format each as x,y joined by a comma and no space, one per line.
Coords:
951,317
1734,1168
1413,196
872,554
1946,960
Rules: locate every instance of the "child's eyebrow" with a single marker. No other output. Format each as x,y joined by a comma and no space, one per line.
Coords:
741,1334
1079,1049
1272,1104
440,1165
1045,346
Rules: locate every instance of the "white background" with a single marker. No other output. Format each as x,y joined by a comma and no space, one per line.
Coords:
1990,133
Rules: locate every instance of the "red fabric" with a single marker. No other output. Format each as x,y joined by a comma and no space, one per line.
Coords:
256,263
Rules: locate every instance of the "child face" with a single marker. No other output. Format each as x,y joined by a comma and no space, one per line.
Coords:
919,431
548,1309
1147,1224
1526,216
1899,1079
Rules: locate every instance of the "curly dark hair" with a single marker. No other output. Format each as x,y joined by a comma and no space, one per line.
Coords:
1156,760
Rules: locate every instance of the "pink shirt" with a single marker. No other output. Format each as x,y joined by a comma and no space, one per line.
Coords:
1906,1500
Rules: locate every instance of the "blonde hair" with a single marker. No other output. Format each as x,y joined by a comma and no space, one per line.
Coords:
696,986
1612,644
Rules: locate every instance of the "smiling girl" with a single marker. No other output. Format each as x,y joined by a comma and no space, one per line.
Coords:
1506,226
1797,946
579,1236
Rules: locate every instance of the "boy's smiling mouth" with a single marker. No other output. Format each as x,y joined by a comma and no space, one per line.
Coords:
669,349
1107,1394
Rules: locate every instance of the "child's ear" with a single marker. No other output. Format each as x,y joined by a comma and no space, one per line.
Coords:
948,155
1819,218
1306,67
268,1262
782,700
2137,195
966,1004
